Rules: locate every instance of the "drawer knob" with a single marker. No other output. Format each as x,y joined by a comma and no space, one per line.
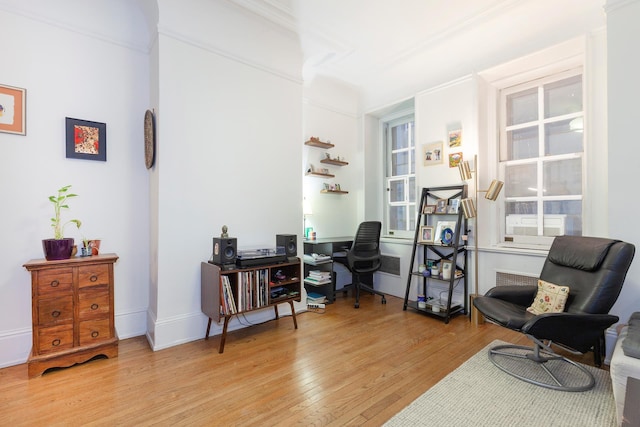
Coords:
95,334
93,278
55,313
54,283
94,306
55,342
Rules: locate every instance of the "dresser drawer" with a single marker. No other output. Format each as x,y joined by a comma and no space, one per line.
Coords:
54,281
93,302
94,331
92,275
55,338
53,311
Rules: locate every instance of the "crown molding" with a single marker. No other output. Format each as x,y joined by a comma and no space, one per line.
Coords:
29,14
226,54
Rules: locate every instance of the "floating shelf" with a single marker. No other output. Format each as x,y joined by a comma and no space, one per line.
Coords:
319,144
334,162
334,192
320,175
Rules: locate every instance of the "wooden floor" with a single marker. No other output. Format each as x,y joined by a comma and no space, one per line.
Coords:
345,366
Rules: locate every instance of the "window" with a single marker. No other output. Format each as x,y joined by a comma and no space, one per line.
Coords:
541,158
400,179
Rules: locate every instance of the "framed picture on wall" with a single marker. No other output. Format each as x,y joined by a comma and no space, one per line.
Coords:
432,154
86,140
13,111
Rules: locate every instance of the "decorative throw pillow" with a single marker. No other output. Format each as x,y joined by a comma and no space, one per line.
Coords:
549,299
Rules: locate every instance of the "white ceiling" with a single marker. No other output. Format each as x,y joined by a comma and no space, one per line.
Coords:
423,41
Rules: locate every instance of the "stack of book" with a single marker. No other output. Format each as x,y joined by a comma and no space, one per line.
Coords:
317,277
315,298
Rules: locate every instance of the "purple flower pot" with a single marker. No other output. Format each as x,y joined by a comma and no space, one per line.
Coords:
57,249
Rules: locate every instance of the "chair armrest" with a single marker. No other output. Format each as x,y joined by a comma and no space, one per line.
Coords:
519,295
578,331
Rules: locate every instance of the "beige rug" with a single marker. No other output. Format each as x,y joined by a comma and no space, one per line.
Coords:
479,394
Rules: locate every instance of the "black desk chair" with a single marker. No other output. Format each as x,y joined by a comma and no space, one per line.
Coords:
594,270
363,259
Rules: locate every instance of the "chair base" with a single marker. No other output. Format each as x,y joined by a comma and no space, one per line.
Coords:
541,366
363,287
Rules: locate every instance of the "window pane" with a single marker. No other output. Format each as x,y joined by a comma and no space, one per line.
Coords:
563,97
522,143
562,177
563,217
396,190
400,163
560,139
522,107
521,208
412,189
520,180
397,218
400,136
412,218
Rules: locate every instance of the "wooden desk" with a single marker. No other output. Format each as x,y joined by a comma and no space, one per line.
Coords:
327,246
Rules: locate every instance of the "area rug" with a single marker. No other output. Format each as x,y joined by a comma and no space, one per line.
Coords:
479,394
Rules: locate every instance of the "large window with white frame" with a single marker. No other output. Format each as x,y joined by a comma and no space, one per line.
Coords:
400,176
542,158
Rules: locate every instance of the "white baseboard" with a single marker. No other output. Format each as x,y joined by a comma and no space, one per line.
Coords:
15,347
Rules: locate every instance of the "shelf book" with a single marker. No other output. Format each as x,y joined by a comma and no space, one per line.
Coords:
229,292
318,277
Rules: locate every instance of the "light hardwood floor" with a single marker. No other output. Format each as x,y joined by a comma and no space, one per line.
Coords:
343,367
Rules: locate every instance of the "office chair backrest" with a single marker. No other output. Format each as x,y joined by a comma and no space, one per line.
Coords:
593,268
367,240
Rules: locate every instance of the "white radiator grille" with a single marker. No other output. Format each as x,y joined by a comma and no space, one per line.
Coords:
517,279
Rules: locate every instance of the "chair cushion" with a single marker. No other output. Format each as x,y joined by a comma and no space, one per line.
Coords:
505,313
549,299
583,253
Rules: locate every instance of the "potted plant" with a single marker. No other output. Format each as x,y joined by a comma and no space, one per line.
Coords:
60,247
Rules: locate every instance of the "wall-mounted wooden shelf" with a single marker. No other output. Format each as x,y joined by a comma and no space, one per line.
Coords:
319,144
320,175
334,192
334,162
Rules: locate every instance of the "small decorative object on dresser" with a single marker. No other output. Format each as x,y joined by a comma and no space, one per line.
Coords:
72,311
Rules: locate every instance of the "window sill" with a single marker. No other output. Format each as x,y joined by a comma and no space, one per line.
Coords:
505,249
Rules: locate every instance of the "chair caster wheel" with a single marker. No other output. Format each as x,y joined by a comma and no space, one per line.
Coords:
384,300
356,305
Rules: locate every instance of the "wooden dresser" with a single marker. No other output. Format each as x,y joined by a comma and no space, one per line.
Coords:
72,311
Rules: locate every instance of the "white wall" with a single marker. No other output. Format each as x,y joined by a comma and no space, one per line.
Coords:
83,73
230,143
623,35
330,112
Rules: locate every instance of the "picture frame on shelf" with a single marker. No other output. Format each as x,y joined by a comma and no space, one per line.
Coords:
440,227
86,140
13,112
446,266
454,206
441,206
429,209
426,234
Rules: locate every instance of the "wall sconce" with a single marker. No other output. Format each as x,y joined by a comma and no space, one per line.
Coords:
469,211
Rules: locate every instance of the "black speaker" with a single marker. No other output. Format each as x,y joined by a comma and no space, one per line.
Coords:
289,242
224,250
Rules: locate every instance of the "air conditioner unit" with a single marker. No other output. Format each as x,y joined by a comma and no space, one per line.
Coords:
520,228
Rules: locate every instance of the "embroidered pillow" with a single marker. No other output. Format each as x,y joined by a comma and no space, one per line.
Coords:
549,299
